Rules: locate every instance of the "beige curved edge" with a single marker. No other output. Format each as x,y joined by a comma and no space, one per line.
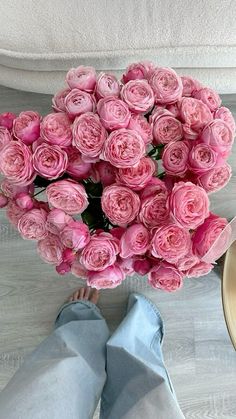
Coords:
229,292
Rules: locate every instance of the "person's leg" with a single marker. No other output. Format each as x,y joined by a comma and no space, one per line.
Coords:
64,377
138,385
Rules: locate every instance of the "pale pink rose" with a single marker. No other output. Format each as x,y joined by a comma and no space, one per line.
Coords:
78,102
189,204
6,120
89,134
117,232
200,269
113,112
3,200
120,204
175,158
58,100
195,115
190,85
187,261
154,210
219,136
68,196
57,220
64,268
107,85
215,179
126,265
104,172
16,163
209,97
83,78
135,241
26,127
137,177
170,242
173,108
50,249
123,148
110,277
32,225
225,114
24,201
154,186
166,277
100,252
140,124
79,270
11,190
142,266
14,213
50,161
165,128
166,85
5,137
202,158
75,235
138,71
69,255
56,129
77,167
138,95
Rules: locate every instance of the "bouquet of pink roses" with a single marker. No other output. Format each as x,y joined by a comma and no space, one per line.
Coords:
127,168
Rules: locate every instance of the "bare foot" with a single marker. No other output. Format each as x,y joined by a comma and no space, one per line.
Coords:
86,293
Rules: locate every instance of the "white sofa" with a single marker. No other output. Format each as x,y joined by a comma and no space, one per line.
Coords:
41,39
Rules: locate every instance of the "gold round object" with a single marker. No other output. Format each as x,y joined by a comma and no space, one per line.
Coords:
229,292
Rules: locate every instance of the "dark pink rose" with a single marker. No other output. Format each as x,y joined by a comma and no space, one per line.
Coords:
166,85
64,268
56,129
226,116
142,266
58,100
135,241
26,127
69,255
120,204
138,95
79,270
195,115
104,172
165,128
68,196
11,190
165,276
215,179
110,277
107,85
154,210
50,249
78,102
175,158
117,232
202,158
3,200
170,242
50,161
190,85
100,252
5,137
24,201
113,112
32,225
219,136
83,78
14,213
89,134
138,71
75,235
199,269
16,163
209,97
77,167
137,177
6,120
140,124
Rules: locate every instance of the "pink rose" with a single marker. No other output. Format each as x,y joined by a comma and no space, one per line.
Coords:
16,163
175,158
41,205
24,201
219,136
89,134
107,85
154,186
68,196
154,210
135,241
50,249
209,97
137,177
142,266
117,232
79,270
14,213
190,85
78,102
5,137
50,161
165,128
3,200
166,85
57,220
77,167
113,112
195,115
126,265
226,116
140,124
100,252
110,277
120,204
138,95
199,269
187,261
58,100
215,179
83,78
170,242
11,190
104,172
189,204
6,120
69,255
123,148
173,108
26,127
202,158
138,71
165,276
75,235
32,225
64,268
56,129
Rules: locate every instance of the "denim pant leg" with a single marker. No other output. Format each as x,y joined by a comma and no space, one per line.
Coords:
64,377
138,385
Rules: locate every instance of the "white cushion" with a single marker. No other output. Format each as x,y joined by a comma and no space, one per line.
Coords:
40,39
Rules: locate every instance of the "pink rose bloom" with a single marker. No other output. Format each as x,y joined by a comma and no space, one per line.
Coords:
117,232
68,196
57,220
5,137
89,134
3,200
135,241
202,158
142,266
58,100
50,161
219,136
209,97
123,148
138,71
75,235
165,128
215,179
79,270
32,225
170,242
83,78
154,210
126,265
41,205
24,201
6,120
110,277
26,127
195,115
120,204
11,190
100,252
50,249
78,102
175,158
173,108
140,124
187,261
190,85
64,268
166,85
199,269
107,85
137,177
77,167
69,255
226,116
113,112
56,129
154,186
189,204
16,163
138,95
165,276
104,172
14,213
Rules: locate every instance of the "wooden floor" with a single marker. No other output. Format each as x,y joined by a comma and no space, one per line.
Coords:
197,349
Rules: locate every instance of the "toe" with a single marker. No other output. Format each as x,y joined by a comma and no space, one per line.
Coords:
81,293
87,292
76,295
94,296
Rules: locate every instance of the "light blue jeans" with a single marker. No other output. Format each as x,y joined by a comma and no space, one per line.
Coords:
79,362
